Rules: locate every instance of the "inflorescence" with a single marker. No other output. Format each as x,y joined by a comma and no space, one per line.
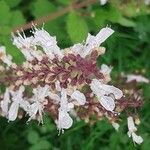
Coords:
65,83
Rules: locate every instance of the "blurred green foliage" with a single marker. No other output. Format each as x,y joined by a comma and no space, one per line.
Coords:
128,50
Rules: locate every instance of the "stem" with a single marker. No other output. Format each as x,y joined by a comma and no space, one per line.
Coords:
54,15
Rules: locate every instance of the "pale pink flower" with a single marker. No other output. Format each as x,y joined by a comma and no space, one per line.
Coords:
137,78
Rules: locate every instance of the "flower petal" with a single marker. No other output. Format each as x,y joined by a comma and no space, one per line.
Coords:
104,34
64,120
137,78
24,104
7,59
77,49
13,111
33,110
96,86
64,100
131,125
107,102
54,97
99,88
4,103
103,2
115,125
108,89
105,69
80,97
137,139
49,43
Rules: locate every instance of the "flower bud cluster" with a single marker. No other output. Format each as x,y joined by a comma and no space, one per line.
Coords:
65,83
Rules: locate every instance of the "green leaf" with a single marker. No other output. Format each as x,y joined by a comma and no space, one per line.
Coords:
76,27
57,28
117,17
13,3
145,145
114,139
11,49
33,137
105,14
126,22
41,145
17,18
5,30
65,2
41,8
113,15
99,17
4,13
48,125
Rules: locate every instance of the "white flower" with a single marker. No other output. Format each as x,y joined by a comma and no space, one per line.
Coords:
54,97
131,125
17,98
37,54
92,42
39,101
103,35
5,102
79,97
24,44
95,41
64,100
21,41
106,70
107,102
47,42
25,105
7,59
27,47
64,119
99,88
137,78
103,2
77,48
115,125
132,129
102,91
136,138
